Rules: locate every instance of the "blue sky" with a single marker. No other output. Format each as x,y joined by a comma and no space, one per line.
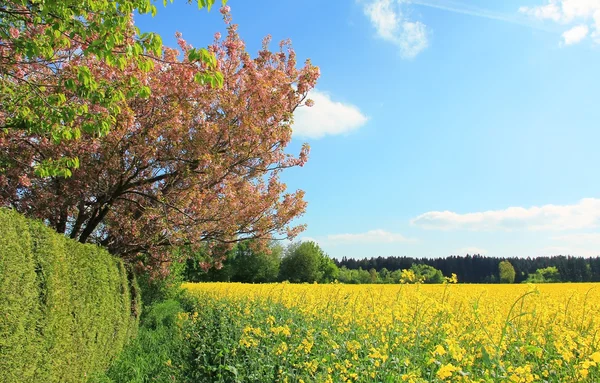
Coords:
439,127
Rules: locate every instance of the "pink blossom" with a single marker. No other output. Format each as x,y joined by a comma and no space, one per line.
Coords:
14,32
205,266
25,181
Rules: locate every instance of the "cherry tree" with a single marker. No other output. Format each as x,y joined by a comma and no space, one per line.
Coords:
187,164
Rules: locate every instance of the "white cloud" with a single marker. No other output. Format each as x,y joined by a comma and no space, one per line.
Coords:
371,236
575,34
326,117
583,215
392,25
384,18
543,12
584,14
413,39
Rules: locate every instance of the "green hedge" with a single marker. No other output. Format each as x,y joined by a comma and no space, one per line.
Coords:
66,309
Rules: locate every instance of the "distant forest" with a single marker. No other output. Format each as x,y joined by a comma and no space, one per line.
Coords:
306,262
480,269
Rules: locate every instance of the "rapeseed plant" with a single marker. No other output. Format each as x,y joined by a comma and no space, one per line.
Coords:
396,333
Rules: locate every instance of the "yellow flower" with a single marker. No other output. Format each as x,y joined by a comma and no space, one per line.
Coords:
439,350
458,326
446,371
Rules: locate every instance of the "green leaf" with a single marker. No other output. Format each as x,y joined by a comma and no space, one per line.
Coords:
193,55
144,92
84,75
121,62
156,44
200,78
70,85
105,127
220,79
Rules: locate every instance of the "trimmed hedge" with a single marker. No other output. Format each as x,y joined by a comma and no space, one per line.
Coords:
66,309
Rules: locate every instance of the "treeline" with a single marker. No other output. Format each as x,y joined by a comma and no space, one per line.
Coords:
307,262
303,262
246,262
480,269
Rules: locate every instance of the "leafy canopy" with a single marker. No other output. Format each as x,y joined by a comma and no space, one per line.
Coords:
185,164
307,262
507,272
47,83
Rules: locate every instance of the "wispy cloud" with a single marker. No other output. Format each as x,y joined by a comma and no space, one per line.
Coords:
371,236
583,215
579,16
392,25
391,20
326,117
470,10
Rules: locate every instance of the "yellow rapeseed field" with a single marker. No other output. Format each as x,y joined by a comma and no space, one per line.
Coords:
399,333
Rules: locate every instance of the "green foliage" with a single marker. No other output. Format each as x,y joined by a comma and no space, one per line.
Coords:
163,313
66,307
351,276
193,340
254,266
507,272
19,305
329,270
427,274
546,275
42,96
155,354
218,349
155,289
418,273
246,262
302,263
306,262
195,266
